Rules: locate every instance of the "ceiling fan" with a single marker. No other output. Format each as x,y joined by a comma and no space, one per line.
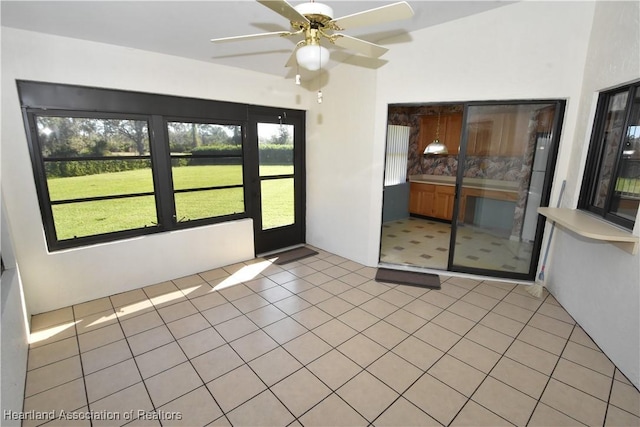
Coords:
314,21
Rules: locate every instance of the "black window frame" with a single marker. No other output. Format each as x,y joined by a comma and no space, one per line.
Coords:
596,153
40,160
80,101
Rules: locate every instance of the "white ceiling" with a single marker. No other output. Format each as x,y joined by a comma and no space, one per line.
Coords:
184,28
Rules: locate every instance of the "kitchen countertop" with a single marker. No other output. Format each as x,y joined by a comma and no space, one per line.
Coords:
481,183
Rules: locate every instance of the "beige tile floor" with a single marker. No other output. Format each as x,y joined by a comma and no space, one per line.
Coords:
425,243
318,342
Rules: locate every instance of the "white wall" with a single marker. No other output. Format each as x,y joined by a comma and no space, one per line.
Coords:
53,280
599,284
527,50
340,164
14,328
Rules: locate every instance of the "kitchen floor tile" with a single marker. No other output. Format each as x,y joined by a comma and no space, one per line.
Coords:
105,356
574,403
253,345
334,369
196,408
183,379
200,342
52,375
474,415
418,353
404,413
112,379
394,371
160,359
274,366
509,403
129,400
362,350
458,375
320,342
435,398
475,355
300,391
584,379
266,315
333,411
50,353
216,362
236,387
264,409
367,395
546,416
307,348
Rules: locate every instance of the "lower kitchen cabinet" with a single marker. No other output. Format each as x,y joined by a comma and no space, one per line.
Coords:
435,201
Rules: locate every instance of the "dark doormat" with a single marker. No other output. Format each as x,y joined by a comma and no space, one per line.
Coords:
292,255
412,278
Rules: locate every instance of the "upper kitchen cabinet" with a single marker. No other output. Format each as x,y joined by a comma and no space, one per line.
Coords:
499,133
449,132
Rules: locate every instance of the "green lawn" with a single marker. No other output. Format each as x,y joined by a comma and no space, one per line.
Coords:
89,218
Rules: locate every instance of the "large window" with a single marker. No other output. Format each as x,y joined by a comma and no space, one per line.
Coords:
112,164
611,186
206,166
98,174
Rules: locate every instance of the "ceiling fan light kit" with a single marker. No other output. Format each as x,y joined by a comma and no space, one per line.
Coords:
315,22
312,57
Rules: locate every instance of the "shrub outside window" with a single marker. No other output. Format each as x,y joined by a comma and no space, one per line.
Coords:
611,186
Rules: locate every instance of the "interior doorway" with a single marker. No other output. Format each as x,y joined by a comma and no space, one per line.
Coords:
473,209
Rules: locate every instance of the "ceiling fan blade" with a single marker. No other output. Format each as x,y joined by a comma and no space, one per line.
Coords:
292,61
283,8
359,45
379,15
251,36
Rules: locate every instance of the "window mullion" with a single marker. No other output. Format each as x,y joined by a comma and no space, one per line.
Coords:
162,181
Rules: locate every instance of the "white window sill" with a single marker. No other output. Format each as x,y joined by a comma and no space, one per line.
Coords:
591,227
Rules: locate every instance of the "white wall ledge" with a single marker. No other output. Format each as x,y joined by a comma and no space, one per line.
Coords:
591,227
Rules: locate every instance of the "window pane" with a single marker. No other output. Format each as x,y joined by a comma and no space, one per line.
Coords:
82,137
275,149
613,130
277,203
104,216
207,204
204,173
98,178
626,195
204,139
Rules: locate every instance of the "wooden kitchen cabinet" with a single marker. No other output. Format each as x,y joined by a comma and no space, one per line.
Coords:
499,134
443,203
449,135
421,198
434,201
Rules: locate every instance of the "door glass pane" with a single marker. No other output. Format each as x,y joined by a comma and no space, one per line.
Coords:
626,195
277,203
503,176
275,153
275,149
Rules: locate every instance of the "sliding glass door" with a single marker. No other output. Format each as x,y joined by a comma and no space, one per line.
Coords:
504,174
